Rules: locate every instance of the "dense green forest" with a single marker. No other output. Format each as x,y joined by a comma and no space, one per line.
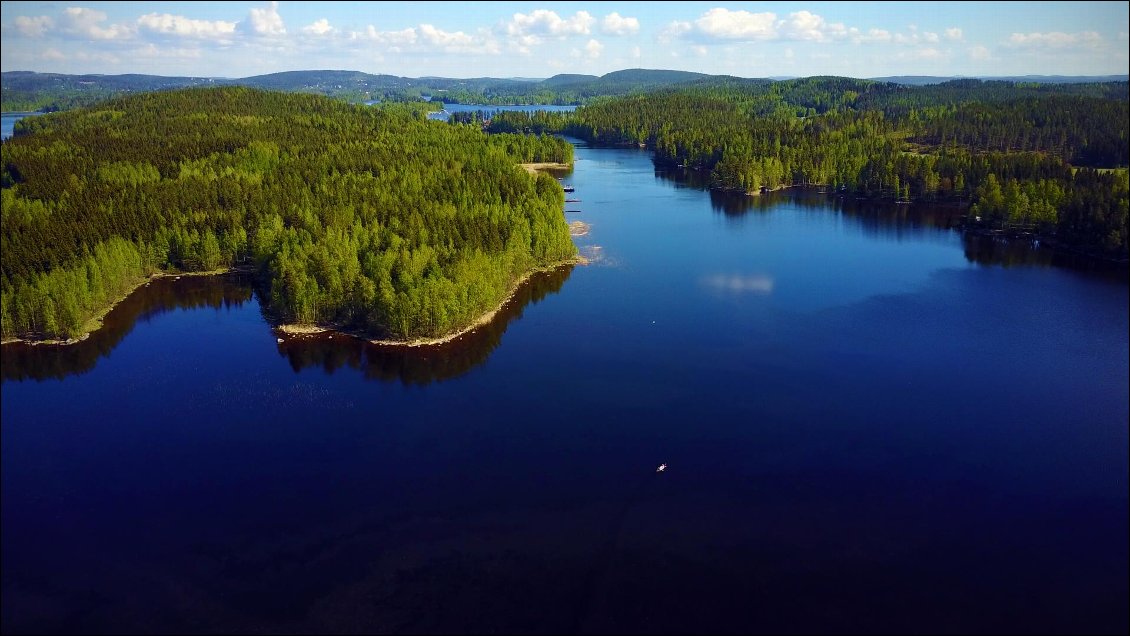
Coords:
1023,155
365,218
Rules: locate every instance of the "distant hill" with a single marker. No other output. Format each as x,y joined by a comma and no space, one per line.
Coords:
28,81
925,80
578,88
647,76
565,79
290,80
25,90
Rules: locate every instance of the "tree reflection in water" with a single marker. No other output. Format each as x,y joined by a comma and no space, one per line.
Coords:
891,220
411,365
43,362
420,365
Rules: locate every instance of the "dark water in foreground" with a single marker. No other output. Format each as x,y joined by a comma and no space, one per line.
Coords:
871,426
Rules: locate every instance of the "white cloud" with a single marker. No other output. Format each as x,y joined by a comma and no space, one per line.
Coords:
547,23
980,53
1056,39
636,53
699,51
54,55
804,25
86,23
724,24
720,25
318,27
265,21
871,36
915,38
438,37
426,38
674,30
101,57
389,38
153,51
523,44
593,49
953,33
614,24
166,24
455,41
34,27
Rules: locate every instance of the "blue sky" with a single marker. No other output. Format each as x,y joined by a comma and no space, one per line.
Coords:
540,39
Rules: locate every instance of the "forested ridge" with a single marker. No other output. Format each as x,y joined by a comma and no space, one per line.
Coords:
27,91
365,218
1036,156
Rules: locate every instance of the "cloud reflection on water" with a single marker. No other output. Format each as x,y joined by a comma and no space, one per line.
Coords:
740,283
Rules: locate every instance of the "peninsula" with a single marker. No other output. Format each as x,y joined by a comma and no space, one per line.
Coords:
368,220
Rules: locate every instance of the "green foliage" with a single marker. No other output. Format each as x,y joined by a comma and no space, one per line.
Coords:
1008,154
362,217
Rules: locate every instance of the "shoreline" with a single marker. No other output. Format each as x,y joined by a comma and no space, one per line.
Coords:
295,329
579,228
533,168
95,322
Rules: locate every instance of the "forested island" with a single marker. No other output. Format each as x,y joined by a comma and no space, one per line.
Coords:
372,220
1044,160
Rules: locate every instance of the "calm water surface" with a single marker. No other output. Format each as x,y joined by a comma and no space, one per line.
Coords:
8,123
871,426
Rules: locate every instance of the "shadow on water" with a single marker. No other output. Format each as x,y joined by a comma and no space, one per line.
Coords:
992,251
44,362
415,365
895,221
873,216
408,364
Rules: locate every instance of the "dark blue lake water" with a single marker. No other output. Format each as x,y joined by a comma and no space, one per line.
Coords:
871,425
